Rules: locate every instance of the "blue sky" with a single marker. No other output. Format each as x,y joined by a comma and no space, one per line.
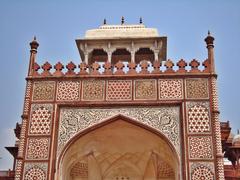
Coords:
58,23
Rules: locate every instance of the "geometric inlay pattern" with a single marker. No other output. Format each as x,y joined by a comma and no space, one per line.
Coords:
38,148
203,170
145,89
200,147
119,90
93,90
170,88
68,90
40,122
198,118
43,90
35,171
197,88
163,119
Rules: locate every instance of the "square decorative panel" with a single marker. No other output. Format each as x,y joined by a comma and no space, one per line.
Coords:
93,90
170,88
145,89
202,170
197,88
68,91
119,90
38,148
200,147
35,171
41,118
43,91
198,117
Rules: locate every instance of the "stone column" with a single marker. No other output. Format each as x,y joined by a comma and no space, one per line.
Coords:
86,57
156,55
133,56
109,53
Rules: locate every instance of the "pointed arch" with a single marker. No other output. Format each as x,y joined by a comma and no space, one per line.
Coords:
70,153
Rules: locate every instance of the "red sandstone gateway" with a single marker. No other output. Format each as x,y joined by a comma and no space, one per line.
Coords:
124,112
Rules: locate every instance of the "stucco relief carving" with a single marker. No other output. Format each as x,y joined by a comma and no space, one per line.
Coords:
164,119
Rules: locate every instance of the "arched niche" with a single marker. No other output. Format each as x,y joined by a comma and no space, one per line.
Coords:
144,54
119,149
97,55
121,55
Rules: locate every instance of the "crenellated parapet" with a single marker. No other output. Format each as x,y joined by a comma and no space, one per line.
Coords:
121,68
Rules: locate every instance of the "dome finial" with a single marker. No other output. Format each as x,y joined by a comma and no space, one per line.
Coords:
104,21
34,44
140,20
209,33
122,21
209,39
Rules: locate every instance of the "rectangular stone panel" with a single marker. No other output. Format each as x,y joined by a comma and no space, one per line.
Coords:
33,171
200,147
201,170
38,148
170,89
198,117
68,91
93,90
40,119
145,89
197,88
119,90
43,91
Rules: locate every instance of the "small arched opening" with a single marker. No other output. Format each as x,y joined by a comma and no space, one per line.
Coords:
121,55
98,55
144,54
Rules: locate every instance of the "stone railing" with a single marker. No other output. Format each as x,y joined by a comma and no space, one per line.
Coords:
121,68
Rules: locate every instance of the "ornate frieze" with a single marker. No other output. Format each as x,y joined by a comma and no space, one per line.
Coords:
163,119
